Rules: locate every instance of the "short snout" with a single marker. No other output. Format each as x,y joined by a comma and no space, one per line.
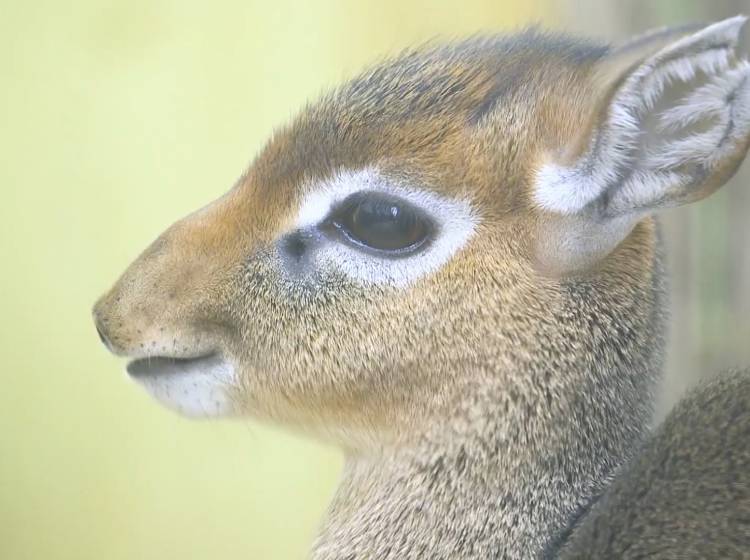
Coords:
168,312
169,301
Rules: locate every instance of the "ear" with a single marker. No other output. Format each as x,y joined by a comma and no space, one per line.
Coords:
672,125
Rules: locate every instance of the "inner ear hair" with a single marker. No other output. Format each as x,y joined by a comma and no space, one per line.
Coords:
671,125
670,122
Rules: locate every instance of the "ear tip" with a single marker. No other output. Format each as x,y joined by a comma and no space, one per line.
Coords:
706,36
732,25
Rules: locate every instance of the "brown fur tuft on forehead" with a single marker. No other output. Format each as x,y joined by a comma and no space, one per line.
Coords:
462,79
426,102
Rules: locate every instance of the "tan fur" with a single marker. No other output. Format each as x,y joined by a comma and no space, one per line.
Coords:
481,407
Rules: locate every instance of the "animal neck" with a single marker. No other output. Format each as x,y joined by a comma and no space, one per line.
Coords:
478,487
527,433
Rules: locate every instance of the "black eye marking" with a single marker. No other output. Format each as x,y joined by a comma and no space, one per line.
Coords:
295,244
382,223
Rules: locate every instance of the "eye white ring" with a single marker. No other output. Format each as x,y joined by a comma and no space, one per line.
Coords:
455,220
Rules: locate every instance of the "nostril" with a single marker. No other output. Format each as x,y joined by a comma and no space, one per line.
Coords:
101,336
100,330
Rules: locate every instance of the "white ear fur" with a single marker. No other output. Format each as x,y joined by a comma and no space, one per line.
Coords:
644,155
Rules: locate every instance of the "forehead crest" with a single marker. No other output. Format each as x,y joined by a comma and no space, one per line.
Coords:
424,102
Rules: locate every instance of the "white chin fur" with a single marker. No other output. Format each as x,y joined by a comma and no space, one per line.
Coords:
197,388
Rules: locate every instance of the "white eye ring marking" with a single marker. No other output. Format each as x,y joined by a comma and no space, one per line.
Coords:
455,220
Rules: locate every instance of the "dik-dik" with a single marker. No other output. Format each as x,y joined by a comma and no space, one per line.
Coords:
449,267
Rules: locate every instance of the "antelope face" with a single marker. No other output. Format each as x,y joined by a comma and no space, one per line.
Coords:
422,232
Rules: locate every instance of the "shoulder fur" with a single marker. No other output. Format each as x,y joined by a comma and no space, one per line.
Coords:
687,494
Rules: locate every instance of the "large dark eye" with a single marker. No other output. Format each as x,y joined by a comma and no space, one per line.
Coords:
382,222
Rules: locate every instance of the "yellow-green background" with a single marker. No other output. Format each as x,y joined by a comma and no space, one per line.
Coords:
116,118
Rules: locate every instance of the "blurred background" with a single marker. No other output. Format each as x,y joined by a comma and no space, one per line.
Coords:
119,116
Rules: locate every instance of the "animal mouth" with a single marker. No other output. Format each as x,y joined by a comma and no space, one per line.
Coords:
196,387
158,366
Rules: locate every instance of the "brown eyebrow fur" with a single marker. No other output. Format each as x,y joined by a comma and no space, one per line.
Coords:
428,106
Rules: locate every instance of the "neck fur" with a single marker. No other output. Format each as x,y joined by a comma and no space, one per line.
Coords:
480,486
